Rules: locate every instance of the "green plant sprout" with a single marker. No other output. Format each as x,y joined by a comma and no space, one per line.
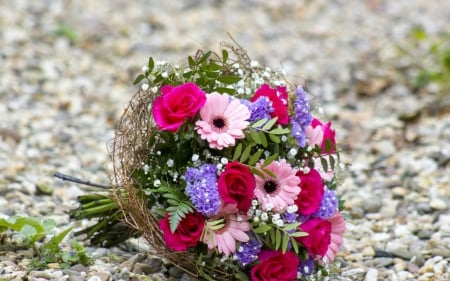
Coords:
33,230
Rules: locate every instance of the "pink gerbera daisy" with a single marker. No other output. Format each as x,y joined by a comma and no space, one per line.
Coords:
223,232
222,121
277,193
337,231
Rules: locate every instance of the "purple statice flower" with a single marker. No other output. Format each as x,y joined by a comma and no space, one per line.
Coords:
301,117
260,109
306,267
202,189
328,205
248,251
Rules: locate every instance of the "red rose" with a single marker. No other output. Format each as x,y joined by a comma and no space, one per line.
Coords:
275,266
312,189
236,186
319,236
319,133
176,104
187,233
279,98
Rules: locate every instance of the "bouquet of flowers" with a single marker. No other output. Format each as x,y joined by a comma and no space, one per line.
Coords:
226,171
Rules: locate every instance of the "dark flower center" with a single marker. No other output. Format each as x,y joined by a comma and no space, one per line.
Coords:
270,186
219,122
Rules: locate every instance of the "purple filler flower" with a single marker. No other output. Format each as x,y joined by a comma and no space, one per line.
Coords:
202,189
328,205
260,109
306,267
248,251
301,117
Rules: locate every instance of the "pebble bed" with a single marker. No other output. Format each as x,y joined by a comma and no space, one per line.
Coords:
66,75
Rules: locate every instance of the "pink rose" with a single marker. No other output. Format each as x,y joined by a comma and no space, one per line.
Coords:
176,104
319,133
186,235
279,98
236,186
312,189
275,266
319,236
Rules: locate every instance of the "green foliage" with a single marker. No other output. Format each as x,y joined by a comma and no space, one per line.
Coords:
33,230
68,32
434,64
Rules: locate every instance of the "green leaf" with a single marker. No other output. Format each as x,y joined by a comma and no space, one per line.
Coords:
284,244
262,228
53,244
290,226
255,136
263,138
139,79
270,124
257,172
274,138
245,154
229,79
204,57
269,173
269,160
279,131
237,151
255,157
151,65
224,56
332,162
277,239
259,123
191,62
294,244
324,163
225,90
298,234
241,276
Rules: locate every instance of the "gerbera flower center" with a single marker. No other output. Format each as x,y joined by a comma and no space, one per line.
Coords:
224,225
219,123
270,186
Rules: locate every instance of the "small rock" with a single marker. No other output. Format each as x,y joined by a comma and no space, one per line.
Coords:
372,204
383,262
438,204
371,275
143,268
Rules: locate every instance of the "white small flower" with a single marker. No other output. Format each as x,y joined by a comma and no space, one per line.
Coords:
158,152
240,91
145,86
309,148
279,223
146,168
170,163
264,217
275,217
292,152
236,65
306,170
144,68
254,63
195,157
157,183
254,203
161,62
154,90
219,166
269,206
224,160
256,219
283,138
165,74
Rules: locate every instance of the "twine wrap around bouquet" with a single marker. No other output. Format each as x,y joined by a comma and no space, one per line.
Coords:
220,164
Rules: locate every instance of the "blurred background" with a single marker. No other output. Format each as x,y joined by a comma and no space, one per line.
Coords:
380,70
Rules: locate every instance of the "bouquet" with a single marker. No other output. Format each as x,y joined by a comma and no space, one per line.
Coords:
226,171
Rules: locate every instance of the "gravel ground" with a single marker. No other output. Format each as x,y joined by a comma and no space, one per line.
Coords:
66,73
